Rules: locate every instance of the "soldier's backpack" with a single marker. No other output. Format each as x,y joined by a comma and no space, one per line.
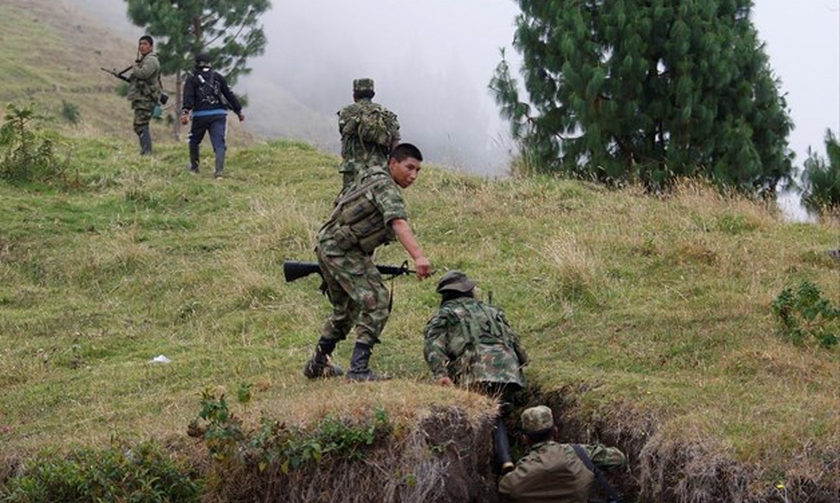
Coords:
372,125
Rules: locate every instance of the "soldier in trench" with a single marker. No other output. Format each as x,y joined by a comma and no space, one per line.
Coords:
470,343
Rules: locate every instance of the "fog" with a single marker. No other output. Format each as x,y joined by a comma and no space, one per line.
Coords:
431,62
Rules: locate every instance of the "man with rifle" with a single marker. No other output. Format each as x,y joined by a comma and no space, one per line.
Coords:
144,90
470,343
371,214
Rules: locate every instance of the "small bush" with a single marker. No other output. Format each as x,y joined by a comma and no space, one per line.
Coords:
27,154
805,314
277,445
70,112
143,473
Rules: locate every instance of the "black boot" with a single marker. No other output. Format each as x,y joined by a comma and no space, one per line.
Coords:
359,370
193,167
319,365
145,141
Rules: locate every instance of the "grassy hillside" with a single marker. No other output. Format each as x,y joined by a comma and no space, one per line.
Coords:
65,70
648,320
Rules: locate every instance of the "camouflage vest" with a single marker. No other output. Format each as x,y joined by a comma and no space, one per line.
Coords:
358,219
486,346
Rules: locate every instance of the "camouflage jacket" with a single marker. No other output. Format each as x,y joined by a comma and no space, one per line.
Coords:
553,472
375,187
144,81
368,131
471,342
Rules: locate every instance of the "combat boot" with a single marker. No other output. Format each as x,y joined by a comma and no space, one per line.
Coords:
319,365
193,167
145,141
359,370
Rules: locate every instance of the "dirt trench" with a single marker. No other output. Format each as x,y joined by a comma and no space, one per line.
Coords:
447,457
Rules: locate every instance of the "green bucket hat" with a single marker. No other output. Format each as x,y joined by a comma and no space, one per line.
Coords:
537,418
360,85
455,281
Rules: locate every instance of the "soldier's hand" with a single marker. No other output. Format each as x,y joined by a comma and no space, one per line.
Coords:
422,267
185,118
444,381
241,116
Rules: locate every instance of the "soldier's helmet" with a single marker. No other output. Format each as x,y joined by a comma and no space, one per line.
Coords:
361,85
535,419
455,281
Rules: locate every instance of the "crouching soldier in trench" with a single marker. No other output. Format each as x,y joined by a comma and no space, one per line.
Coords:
371,214
471,344
555,472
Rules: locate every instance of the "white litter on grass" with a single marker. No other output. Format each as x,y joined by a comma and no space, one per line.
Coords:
160,359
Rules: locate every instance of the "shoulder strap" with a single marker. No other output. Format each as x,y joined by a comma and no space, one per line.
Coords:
612,494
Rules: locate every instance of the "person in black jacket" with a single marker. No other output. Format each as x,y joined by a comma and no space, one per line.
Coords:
207,98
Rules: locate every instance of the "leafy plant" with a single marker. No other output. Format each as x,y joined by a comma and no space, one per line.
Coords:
27,154
805,313
275,444
70,112
143,473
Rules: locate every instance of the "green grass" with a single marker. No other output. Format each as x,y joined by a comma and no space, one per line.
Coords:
656,306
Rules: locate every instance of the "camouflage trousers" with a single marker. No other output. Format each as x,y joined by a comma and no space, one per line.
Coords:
142,114
357,295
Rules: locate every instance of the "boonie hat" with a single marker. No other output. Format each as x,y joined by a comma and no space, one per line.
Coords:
455,281
537,418
362,85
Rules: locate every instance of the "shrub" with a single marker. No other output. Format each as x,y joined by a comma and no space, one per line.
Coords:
27,154
143,473
70,112
805,313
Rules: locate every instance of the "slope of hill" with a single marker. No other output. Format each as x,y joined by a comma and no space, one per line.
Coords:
648,319
51,56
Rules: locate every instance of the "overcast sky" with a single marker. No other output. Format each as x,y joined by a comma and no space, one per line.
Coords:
432,60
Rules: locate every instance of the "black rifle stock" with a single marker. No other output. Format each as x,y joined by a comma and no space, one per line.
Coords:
293,270
117,74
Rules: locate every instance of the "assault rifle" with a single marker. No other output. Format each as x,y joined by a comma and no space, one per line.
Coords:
293,270
117,74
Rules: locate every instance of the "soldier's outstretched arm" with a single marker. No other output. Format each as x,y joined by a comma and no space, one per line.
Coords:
406,238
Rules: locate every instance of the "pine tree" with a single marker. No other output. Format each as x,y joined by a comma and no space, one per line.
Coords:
226,29
821,179
646,90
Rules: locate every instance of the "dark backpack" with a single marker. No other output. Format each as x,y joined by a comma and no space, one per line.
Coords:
207,91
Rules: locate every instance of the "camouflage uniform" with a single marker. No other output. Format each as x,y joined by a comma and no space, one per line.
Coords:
345,251
471,342
368,131
551,471
144,92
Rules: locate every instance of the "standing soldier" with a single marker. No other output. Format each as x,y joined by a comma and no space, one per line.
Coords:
371,214
144,91
205,92
368,132
471,344
554,472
